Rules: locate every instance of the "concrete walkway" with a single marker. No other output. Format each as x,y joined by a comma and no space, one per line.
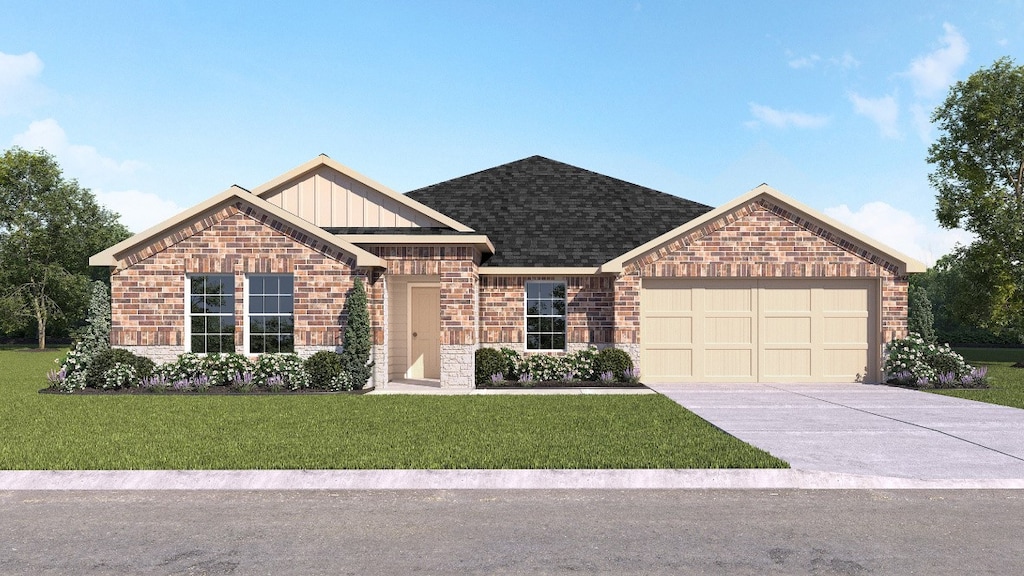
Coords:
865,430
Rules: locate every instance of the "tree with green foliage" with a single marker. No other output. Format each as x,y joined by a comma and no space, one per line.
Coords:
49,226
358,342
979,176
919,314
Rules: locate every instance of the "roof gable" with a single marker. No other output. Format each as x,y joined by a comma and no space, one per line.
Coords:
543,213
803,216
331,195
203,215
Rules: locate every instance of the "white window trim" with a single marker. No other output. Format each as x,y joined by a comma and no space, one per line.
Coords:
187,343
245,313
565,317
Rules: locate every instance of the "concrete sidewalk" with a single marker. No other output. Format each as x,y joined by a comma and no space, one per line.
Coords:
472,480
865,430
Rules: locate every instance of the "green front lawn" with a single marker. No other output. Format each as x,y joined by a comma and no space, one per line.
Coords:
1007,383
49,431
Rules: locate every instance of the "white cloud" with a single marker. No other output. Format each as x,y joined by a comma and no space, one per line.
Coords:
933,73
784,119
19,89
138,210
901,230
804,61
77,160
845,61
884,112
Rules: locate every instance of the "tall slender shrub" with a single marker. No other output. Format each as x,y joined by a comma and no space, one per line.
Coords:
919,314
355,352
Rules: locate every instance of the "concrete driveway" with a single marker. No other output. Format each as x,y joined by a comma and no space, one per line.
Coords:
865,429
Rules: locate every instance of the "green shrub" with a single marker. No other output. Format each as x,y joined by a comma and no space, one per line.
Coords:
615,361
513,361
105,360
971,336
919,314
221,368
543,368
187,366
489,361
355,352
323,368
579,365
90,340
288,367
911,361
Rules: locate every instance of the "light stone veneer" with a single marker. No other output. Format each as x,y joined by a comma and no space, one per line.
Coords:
457,365
158,354
307,351
379,353
633,350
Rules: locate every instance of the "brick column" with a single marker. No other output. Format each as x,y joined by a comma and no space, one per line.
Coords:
459,279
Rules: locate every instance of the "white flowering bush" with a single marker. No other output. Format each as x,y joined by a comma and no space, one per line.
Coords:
574,367
912,361
287,366
342,381
221,368
581,364
543,368
188,365
120,375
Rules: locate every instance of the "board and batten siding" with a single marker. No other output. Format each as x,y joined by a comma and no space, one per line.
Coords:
333,200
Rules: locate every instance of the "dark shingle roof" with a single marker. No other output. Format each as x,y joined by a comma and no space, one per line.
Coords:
539,212
411,231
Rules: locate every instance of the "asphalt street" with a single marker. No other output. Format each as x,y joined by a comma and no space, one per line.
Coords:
512,532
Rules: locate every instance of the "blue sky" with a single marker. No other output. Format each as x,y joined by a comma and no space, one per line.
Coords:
159,105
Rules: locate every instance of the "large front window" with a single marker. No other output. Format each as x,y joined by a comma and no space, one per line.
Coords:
545,315
211,301
271,324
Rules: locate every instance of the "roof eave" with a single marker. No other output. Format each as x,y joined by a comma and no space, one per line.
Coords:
109,257
324,160
907,264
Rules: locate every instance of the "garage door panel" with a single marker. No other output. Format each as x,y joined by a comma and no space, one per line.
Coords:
729,330
729,364
786,330
785,300
728,300
786,363
845,300
846,330
666,364
661,330
846,365
668,299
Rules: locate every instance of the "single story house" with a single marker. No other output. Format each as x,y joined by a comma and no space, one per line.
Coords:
536,255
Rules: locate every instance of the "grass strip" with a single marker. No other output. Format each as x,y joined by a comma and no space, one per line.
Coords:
46,431
1007,382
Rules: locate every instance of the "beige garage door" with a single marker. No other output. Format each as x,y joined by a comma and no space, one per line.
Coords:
758,330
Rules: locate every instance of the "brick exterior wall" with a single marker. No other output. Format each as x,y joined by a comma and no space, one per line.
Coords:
757,240
762,240
589,309
148,287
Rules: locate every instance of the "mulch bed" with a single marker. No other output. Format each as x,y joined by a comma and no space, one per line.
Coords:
213,391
